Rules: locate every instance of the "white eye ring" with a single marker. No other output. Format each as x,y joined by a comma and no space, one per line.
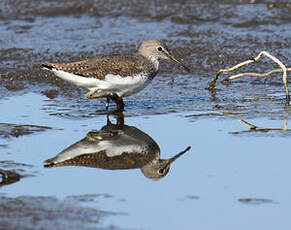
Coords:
159,48
161,171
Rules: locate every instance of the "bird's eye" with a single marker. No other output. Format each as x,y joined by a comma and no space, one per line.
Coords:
161,171
159,48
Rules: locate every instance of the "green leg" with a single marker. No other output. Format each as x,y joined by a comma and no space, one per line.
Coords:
107,103
114,97
91,95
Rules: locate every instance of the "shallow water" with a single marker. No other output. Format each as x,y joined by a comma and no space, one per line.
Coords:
233,177
243,174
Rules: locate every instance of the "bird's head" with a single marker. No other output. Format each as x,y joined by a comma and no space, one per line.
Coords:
154,49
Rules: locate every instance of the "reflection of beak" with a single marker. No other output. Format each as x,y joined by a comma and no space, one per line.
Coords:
172,159
179,62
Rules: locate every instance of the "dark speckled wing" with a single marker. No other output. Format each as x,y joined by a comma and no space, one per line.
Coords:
117,64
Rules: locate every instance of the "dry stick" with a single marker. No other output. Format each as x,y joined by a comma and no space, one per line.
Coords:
284,70
255,74
212,84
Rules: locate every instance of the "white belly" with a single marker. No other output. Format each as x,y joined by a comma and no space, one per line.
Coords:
122,86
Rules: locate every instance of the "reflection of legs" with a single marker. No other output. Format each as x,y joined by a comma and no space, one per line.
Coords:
119,102
119,118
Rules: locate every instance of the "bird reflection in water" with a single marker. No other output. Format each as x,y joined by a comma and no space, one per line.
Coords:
116,146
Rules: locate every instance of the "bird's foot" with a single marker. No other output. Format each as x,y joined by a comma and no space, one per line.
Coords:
91,93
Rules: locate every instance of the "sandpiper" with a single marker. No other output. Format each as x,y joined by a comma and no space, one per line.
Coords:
114,76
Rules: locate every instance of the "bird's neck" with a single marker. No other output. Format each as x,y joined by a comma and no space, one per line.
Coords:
154,60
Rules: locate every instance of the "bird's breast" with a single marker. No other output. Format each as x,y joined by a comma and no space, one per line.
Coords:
126,86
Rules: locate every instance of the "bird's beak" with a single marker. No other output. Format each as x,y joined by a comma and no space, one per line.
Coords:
172,159
177,61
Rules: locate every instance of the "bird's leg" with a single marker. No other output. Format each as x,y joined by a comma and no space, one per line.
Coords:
119,102
114,97
107,103
91,95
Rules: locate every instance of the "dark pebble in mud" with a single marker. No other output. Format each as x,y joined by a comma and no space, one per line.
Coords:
8,177
256,201
45,212
8,130
50,93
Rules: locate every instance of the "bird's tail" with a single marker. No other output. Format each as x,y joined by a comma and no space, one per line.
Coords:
47,66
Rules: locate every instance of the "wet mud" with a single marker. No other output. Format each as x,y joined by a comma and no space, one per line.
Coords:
36,212
8,177
208,36
8,130
12,172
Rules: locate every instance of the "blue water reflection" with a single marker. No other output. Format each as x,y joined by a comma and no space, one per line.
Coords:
204,190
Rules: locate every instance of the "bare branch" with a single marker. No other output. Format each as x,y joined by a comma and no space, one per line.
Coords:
274,59
250,74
